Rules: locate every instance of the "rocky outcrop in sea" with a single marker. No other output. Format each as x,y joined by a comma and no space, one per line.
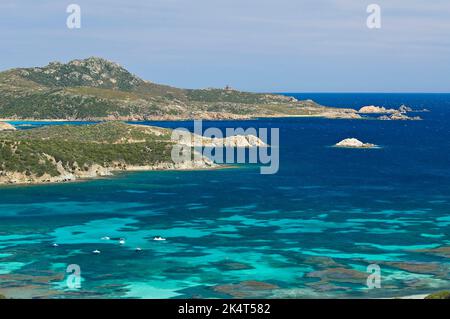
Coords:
354,143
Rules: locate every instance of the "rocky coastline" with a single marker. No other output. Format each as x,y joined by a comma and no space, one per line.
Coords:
399,114
150,149
96,170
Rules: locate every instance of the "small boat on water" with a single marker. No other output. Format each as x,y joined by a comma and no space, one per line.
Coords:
96,252
159,238
122,241
138,249
55,245
105,238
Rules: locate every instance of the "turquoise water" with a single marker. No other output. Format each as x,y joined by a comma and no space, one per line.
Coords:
309,231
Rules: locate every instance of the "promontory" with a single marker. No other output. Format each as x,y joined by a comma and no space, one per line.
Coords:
59,153
97,89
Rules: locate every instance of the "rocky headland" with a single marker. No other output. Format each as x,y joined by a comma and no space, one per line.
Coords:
98,89
64,153
95,89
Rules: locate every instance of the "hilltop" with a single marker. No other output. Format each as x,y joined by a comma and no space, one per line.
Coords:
97,89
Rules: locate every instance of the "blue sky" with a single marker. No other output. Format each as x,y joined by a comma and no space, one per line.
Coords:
255,45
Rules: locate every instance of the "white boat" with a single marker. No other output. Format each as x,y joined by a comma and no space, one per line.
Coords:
55,245
159,238
96,252
105,238
122,241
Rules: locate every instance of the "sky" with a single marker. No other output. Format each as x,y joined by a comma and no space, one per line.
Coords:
251,45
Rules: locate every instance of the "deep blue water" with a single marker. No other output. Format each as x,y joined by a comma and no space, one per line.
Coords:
310,230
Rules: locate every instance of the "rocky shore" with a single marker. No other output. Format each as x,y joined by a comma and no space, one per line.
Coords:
96,170
37,156
372,109
399,114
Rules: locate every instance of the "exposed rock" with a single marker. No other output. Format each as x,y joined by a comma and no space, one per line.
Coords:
244,141
371,109
400,116
397,116
235,141
354,143
390,114
342,114
6,127
404,109
96,170
93,71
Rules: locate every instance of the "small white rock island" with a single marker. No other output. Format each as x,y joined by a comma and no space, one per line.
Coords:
354,143
370,109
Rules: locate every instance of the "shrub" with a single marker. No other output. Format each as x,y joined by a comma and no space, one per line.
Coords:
439,295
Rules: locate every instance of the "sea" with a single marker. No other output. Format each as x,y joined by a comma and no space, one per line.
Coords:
331,223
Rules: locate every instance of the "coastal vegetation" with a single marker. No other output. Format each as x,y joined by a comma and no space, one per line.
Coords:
55,153
97,89
439,295
59,153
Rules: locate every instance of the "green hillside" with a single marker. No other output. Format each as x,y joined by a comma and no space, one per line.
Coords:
95,88
36,152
